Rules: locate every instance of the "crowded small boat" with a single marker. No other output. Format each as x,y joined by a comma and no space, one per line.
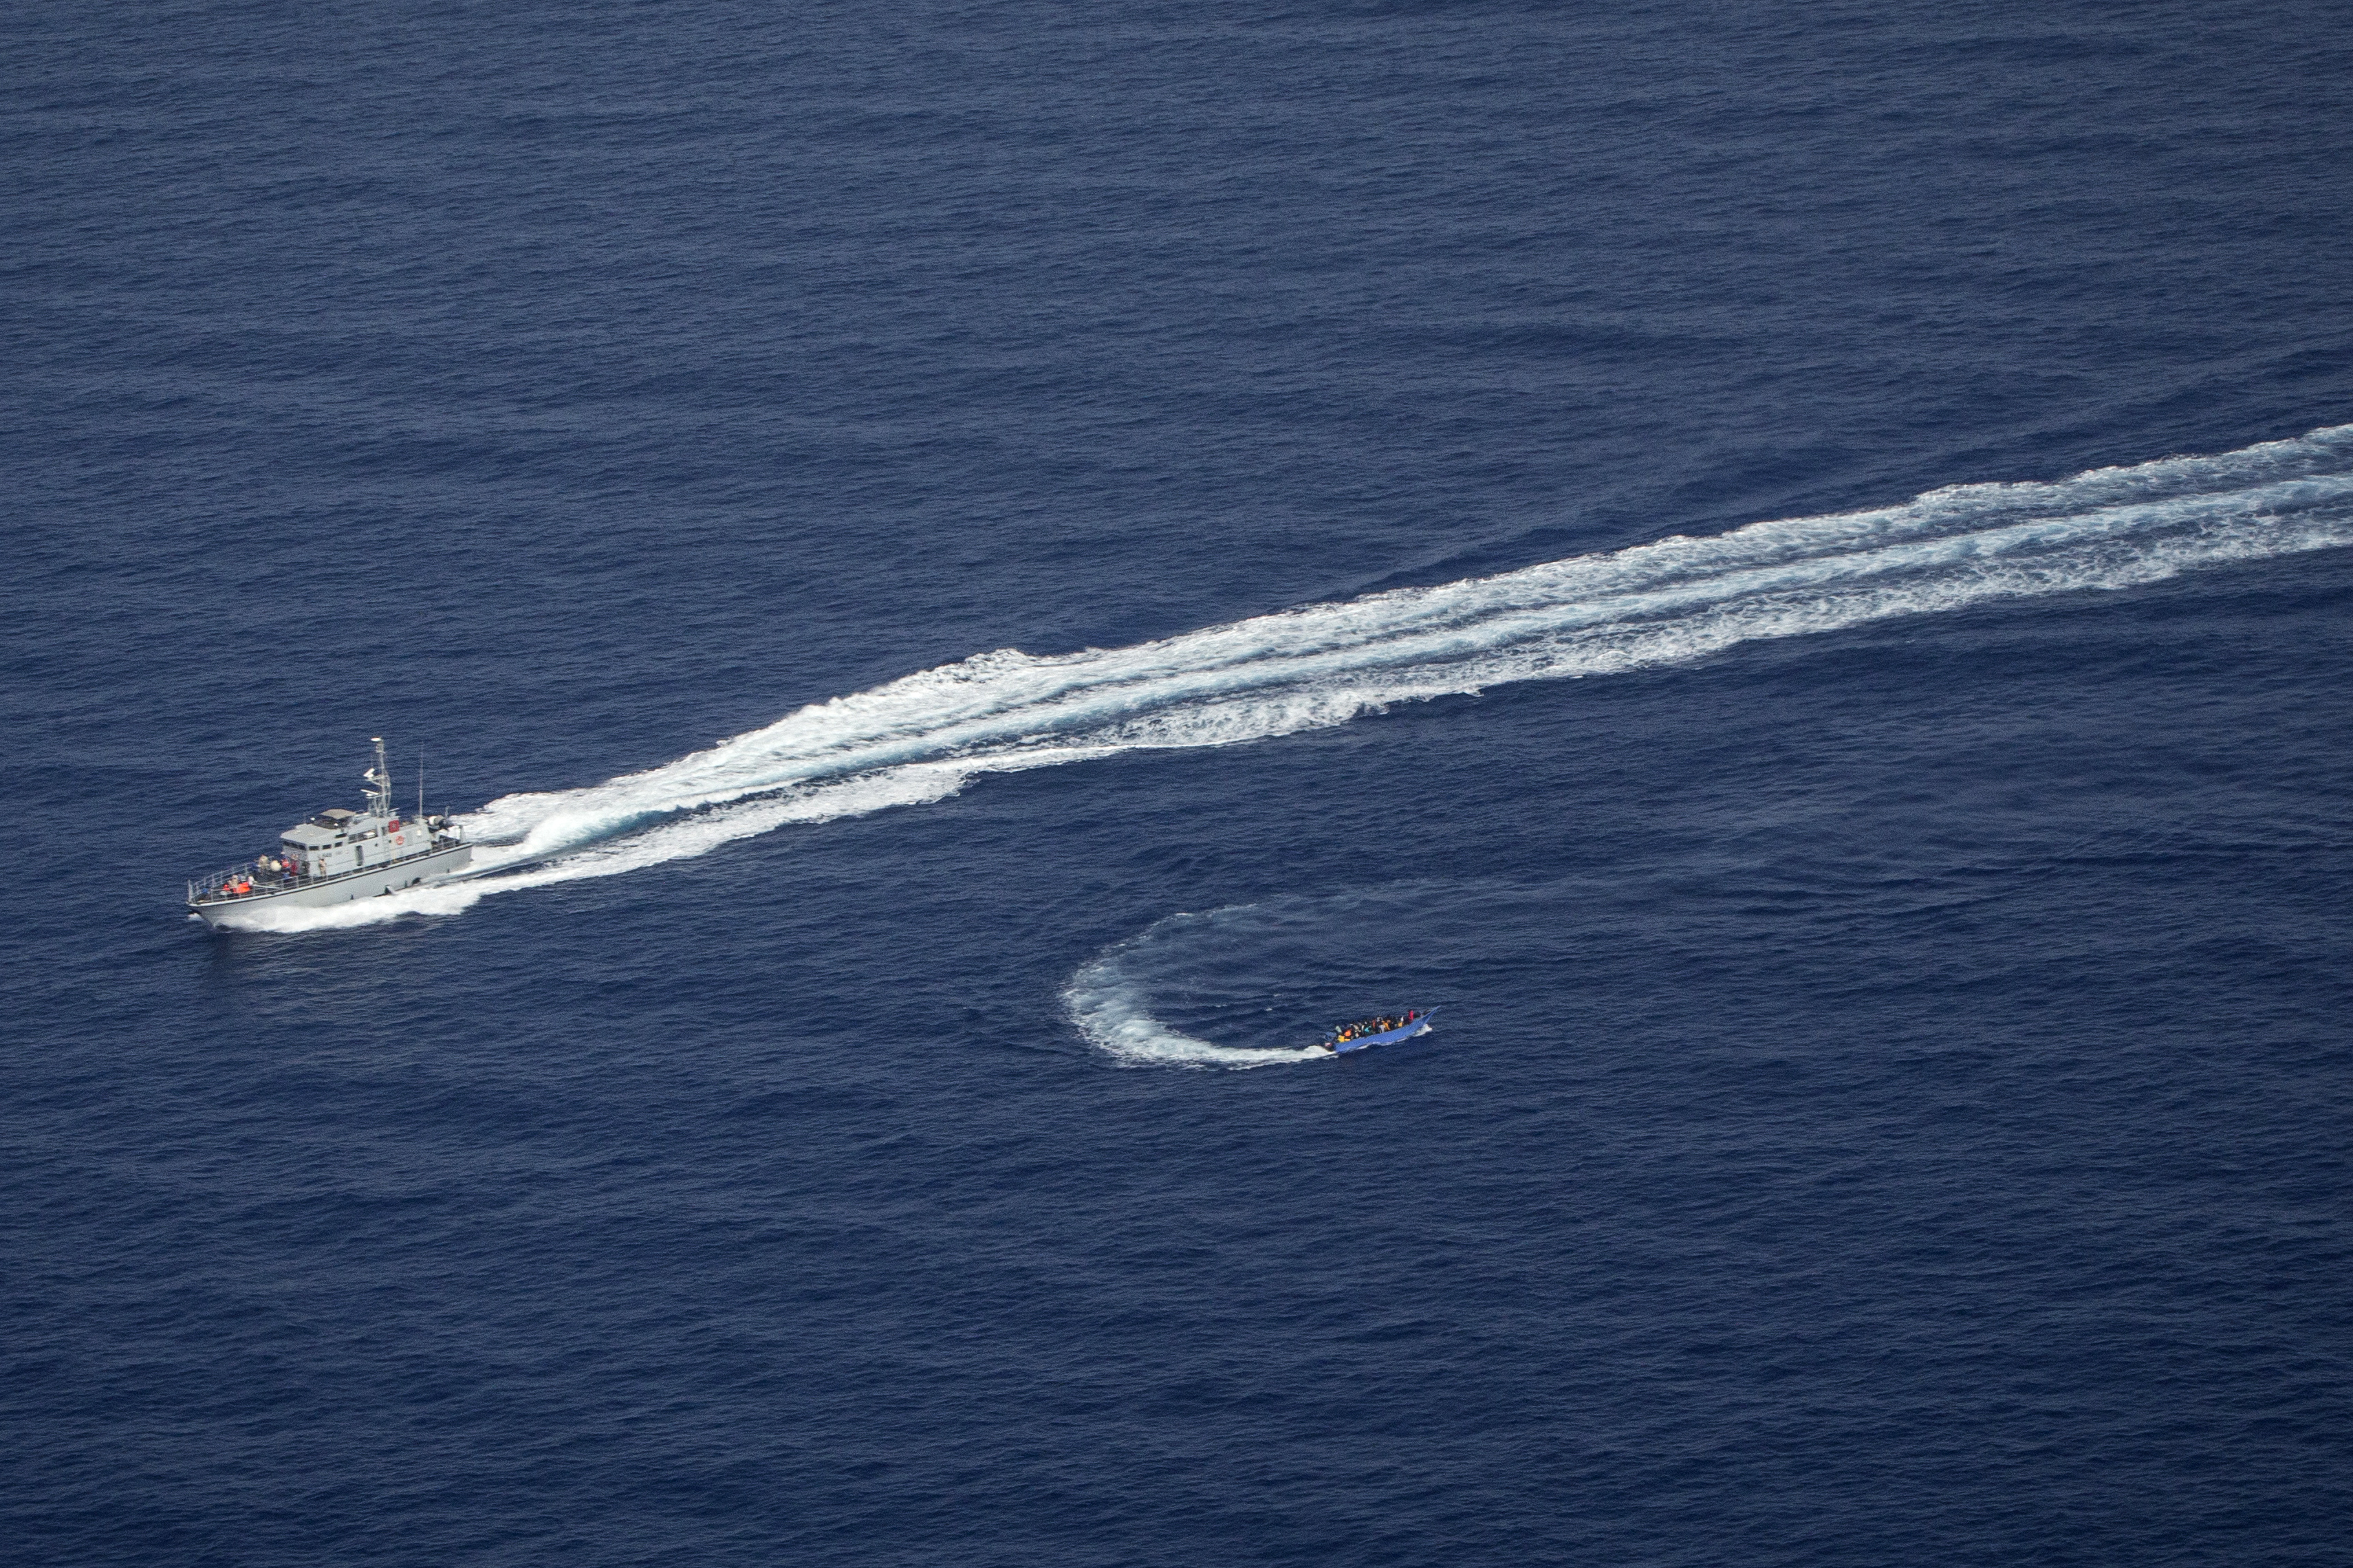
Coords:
1378,1030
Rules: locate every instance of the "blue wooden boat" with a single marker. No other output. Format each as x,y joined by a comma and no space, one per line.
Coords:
1358,1035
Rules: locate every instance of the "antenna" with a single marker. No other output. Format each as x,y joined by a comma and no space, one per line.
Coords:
420,783
380,778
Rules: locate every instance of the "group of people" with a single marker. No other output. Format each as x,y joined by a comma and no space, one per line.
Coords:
1363,1028
238,884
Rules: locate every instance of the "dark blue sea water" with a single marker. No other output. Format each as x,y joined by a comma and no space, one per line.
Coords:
1786,568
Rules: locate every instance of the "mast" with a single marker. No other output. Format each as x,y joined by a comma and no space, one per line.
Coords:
379,778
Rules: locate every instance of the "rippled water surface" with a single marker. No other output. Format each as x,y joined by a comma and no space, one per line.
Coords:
972,572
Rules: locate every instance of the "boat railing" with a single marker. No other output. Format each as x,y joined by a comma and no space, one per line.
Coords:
216,887
219,887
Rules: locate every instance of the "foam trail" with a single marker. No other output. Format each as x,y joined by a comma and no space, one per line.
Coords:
922,737
1109,1006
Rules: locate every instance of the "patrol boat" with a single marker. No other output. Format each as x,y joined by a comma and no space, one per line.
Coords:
339,856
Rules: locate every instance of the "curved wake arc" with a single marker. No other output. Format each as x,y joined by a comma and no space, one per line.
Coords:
920,738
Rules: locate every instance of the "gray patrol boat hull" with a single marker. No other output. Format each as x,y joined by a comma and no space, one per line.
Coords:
432,866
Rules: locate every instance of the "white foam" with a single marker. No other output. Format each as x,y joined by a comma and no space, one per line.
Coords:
922,737
1110,1009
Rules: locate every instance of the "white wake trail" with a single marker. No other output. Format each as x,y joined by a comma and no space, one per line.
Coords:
920,738
1195,958
1113,1012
